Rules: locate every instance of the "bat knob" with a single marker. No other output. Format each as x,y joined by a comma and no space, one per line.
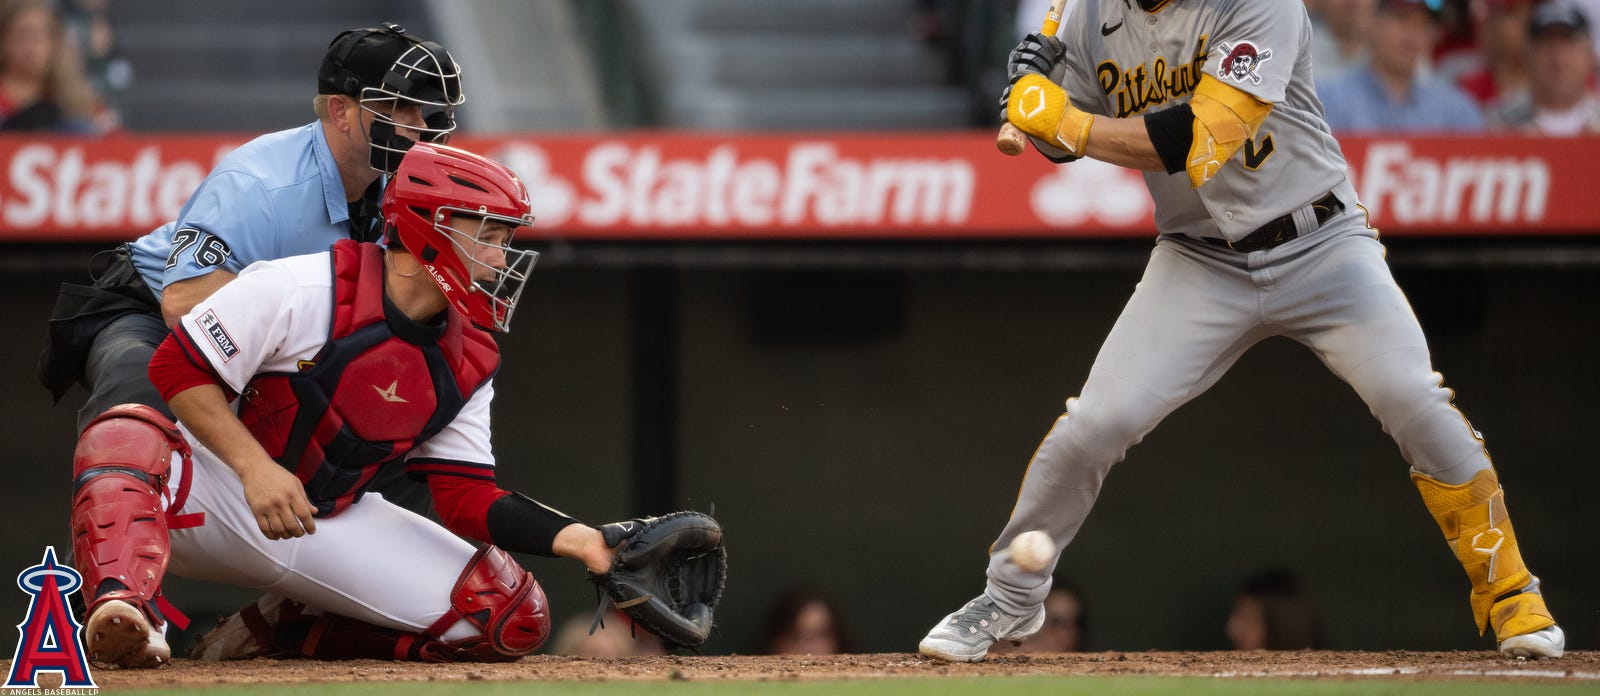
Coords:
1009,140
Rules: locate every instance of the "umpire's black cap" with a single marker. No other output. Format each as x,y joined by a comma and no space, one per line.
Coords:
361,58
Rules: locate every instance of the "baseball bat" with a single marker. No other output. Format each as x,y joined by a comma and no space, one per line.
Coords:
1010,138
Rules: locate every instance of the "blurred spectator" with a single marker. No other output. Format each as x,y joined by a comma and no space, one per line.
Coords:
1591,9
88,24
804,621
1339,31
1503,77
1271,612
617,639
1066,625
1389,94
42,86
1561,99
1458,50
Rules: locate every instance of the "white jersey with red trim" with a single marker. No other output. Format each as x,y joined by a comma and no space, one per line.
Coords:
275,318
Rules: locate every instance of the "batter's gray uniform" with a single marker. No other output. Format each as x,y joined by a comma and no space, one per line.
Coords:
1222,277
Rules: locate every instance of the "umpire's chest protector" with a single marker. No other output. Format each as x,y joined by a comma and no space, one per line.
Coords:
376,389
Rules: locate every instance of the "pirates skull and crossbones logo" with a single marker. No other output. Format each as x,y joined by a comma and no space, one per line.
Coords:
1242,61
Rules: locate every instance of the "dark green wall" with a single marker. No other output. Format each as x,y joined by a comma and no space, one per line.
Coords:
866,431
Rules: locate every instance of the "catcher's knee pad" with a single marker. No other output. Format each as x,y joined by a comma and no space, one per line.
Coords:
1473,518
494,594
503,601
119,531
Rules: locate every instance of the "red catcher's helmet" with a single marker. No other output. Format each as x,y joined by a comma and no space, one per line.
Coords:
437,185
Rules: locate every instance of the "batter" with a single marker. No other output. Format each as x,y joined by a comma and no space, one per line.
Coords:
1261,235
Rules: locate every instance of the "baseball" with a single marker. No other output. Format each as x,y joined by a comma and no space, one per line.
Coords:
1032,551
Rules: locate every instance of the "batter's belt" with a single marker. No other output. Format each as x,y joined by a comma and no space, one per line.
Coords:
1283,228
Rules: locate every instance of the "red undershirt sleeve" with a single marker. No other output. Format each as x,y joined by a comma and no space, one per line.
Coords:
177,367
463,503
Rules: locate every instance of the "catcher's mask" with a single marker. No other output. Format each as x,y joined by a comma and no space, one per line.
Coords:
439,206
390,72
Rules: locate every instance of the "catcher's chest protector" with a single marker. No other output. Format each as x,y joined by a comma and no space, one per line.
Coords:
371,394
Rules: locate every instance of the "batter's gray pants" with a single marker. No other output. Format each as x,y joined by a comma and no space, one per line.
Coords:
1196,310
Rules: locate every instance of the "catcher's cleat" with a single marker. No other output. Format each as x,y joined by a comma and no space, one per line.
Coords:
247,633
965,636
119,635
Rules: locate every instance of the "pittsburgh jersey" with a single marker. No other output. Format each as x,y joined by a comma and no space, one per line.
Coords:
275,318
1123,61
278,195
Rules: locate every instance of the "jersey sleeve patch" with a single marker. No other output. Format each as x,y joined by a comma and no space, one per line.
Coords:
1242,61
218,335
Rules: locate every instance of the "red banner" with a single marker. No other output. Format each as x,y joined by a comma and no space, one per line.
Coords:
643,185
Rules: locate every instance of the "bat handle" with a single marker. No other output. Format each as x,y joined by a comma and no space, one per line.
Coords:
1009,140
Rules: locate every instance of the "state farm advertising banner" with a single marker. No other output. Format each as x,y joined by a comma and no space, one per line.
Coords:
645,185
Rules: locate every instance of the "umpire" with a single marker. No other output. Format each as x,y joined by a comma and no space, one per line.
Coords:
282,194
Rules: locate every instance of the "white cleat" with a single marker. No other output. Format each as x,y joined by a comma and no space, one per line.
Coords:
1546,644
120,635
965,636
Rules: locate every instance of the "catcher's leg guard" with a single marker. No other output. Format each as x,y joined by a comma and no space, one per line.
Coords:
503,601
119,532
493,594
1473,518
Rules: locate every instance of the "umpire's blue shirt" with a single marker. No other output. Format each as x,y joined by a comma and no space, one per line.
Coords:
276,196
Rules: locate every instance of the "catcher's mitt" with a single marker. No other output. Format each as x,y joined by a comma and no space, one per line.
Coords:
667,576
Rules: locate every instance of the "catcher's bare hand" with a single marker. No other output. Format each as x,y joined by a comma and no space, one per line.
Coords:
278,501
585,544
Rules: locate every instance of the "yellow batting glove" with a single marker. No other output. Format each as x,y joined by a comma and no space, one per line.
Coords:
1040,108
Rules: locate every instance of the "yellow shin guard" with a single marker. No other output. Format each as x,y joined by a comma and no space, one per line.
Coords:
1473,518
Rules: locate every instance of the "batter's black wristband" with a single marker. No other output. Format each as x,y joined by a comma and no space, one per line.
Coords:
524,525
1172,132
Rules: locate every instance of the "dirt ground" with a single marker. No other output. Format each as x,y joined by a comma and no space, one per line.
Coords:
1581,666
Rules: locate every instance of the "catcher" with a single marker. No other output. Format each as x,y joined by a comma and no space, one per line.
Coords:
295,385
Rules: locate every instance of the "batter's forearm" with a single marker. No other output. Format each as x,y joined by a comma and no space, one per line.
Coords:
1124,142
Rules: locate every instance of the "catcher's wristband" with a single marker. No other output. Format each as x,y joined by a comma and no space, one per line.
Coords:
524,525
